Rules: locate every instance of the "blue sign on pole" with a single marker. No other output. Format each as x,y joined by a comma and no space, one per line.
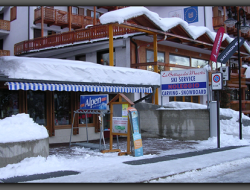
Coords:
94,102
191,14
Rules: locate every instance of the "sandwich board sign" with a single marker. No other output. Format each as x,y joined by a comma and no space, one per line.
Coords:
133,116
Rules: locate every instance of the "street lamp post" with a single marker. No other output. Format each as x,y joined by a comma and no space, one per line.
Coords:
230,22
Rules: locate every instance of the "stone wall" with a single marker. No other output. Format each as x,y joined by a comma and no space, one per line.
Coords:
15,152
190,124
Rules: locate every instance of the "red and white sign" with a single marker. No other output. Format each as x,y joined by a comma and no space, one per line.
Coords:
217,44
217,81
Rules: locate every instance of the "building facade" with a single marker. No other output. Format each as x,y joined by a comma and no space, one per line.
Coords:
76,33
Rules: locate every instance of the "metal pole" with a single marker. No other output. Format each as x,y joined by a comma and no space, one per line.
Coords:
86,121
218,119
240,125
71,133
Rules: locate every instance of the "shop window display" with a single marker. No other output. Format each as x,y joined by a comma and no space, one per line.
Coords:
62,108
8,103
36,106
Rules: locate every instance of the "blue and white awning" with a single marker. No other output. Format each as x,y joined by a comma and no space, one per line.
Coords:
76,87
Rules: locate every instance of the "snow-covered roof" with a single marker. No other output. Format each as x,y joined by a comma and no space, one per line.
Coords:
121,15
51,69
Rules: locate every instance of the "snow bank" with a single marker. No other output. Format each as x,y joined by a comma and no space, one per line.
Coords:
19,128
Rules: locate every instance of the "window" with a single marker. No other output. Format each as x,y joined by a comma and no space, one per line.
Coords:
90,13
75,10
103,57
80,57
50,32
8,103
37,33
62,108
1,44
179,60
160,58
13,13
200,63
1,16
36,106
235,94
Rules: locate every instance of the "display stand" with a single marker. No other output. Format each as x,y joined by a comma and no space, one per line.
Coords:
90,145
119,118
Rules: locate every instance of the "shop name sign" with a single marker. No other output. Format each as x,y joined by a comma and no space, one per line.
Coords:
184,82
94,102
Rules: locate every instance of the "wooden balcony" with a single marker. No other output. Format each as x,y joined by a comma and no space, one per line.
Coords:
4,53
60,18
5,25
218,22
94,32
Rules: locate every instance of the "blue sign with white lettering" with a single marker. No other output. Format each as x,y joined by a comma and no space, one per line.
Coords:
191,14
94,102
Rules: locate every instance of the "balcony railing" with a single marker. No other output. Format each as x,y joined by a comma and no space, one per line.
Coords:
218,22
60,18
5,25
94,32
4,53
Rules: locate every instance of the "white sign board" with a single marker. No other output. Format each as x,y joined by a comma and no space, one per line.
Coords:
217,81
226,73
120,124
188,82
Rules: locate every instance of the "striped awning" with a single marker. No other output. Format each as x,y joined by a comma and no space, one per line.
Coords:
76,87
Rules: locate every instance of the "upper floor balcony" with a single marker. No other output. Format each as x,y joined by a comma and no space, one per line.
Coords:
4,53
4,27
85,34
57,17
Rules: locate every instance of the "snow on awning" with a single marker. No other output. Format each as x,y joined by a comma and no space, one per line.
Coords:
76,87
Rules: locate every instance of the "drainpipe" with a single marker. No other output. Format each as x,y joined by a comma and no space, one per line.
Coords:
205,17
136,49
28,23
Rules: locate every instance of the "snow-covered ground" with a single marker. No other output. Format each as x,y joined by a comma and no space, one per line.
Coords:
97,167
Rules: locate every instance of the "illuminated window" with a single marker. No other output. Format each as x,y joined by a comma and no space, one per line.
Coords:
199,63
179,60
160,58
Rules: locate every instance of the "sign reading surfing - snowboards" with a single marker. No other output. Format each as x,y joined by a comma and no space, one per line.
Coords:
133,116
94,102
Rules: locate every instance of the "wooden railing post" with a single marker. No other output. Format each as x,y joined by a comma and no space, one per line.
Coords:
111,53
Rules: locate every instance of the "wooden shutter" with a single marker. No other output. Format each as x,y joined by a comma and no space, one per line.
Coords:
13,13
81,11
88,12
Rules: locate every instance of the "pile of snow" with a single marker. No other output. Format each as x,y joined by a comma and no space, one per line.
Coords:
247,72
21,127
121,15
74,71
99,167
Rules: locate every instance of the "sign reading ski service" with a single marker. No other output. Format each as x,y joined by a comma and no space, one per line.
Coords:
94,102
189,82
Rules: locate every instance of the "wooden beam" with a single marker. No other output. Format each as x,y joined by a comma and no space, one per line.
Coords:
42,20
155,66
94,21
69,16
111,46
